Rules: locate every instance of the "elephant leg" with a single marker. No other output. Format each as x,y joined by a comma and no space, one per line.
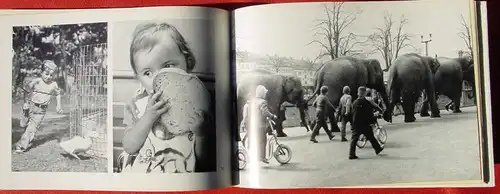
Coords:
395,99
333,123
409,107
431,96
424,110
385,101
456,103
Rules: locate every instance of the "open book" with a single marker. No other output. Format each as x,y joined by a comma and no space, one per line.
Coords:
196,98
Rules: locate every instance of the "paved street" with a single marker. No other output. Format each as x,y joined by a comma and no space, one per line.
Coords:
445,149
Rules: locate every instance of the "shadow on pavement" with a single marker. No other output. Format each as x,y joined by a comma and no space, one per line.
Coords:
386,157
66,155
392,144
290,167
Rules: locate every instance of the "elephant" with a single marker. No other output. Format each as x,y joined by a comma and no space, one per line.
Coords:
448,79
352,72
281,88
409,76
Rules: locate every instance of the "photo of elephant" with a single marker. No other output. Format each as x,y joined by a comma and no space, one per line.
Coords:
281,88
449,79
409,76
352,72
376,85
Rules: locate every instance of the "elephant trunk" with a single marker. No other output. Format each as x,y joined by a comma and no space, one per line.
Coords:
385,99
317,86
302,106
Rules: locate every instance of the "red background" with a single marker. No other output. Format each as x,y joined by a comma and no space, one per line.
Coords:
494,43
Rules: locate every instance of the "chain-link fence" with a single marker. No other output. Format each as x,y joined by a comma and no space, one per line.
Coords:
88,96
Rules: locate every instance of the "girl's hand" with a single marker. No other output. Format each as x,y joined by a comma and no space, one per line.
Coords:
155,107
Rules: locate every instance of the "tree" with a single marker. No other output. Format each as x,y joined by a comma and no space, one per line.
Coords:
59,43
311,64
331,33
390,39
466,35
276,62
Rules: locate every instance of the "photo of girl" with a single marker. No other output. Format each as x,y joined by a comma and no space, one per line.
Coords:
170,126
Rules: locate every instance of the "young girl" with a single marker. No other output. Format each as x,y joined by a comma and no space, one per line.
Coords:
42,89
148,150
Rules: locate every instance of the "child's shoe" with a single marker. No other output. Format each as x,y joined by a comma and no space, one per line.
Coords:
19,150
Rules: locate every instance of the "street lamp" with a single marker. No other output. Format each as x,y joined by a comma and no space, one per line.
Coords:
426,42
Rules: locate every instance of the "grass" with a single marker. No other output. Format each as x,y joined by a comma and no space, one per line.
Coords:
45,154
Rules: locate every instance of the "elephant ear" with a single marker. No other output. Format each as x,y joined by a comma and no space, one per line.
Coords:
288,84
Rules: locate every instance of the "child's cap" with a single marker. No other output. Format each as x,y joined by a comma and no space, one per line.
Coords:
49,65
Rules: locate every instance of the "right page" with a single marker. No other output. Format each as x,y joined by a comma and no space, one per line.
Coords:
362,94
115,99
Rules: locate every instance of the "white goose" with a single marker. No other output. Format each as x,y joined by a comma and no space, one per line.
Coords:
78,145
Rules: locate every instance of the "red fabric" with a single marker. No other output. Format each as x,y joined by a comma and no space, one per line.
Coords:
232,4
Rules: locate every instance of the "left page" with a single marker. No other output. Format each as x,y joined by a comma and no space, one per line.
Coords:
124,99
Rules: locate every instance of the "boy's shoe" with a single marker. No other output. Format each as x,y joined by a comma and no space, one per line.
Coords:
378,151
353,157
314,140
343,139
19,150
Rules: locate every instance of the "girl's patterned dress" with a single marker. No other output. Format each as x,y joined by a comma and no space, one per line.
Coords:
161,153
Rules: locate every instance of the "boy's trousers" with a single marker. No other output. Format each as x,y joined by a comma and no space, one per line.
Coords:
36,115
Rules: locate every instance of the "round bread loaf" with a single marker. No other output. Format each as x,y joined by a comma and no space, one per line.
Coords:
187,98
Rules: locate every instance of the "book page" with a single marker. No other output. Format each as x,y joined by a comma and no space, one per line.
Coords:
116,99
361,94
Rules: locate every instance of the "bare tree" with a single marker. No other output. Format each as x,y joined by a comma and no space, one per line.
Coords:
466,35
277,62
311,64
390,39
238,51
331,33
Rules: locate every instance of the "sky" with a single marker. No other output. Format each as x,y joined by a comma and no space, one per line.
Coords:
286,29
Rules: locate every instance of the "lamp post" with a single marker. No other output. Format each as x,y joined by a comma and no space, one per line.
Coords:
426,42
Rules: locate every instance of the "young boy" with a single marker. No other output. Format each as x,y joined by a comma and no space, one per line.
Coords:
362,118
42,89
259,113
320,103
344,114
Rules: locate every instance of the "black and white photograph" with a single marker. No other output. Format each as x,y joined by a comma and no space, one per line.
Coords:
356,94
163,96
59,98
